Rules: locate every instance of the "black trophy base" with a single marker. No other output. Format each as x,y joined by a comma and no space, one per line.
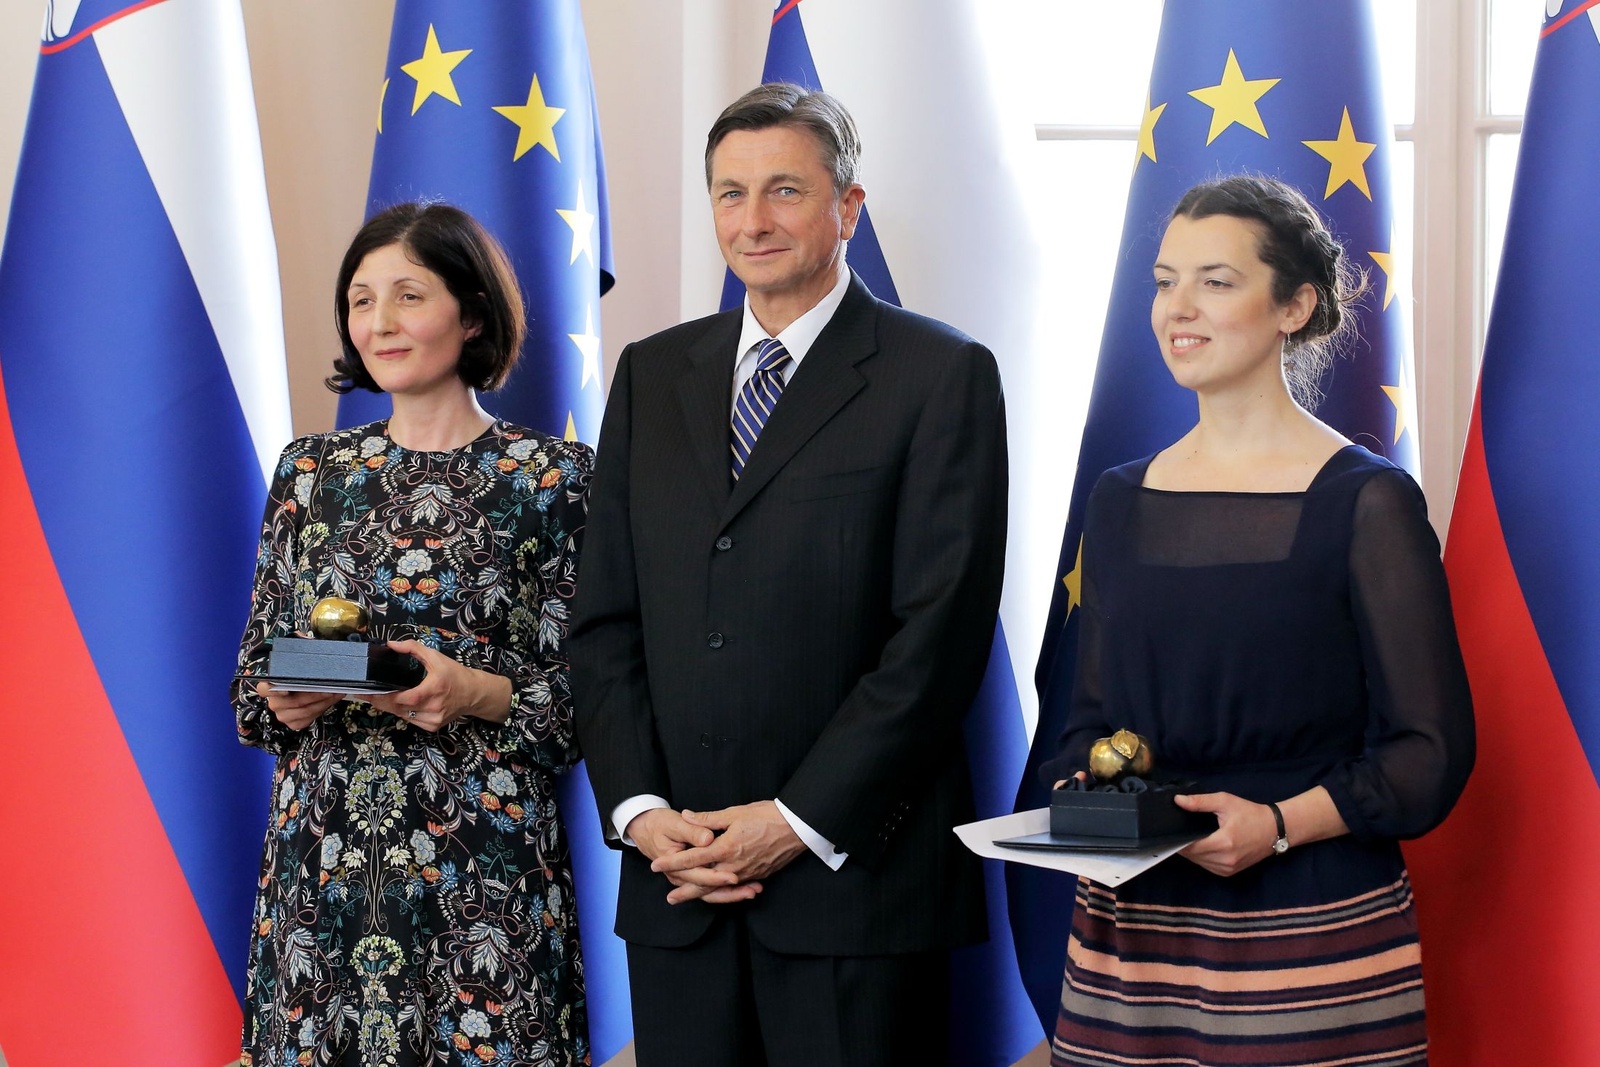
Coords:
298,662
1125,816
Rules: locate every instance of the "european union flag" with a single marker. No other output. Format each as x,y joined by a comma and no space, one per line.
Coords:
145,399
1287,90
990,1025
1525,582
490,107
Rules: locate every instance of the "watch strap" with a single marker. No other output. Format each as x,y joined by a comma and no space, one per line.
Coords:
1281,845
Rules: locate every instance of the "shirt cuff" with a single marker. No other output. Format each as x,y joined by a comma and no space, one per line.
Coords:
819,845
630,809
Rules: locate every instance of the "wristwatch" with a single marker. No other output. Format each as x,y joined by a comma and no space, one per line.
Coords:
1281,845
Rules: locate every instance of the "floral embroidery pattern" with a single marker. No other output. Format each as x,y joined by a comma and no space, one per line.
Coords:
415,904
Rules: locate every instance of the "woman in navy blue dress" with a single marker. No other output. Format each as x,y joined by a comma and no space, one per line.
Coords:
1265,601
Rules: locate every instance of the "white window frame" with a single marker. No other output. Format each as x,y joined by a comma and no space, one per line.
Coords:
1452,135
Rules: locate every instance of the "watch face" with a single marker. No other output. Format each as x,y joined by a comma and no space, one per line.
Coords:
1281,845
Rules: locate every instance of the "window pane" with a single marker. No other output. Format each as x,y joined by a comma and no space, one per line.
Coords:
1396,25
1080,63
1500,163
1403,174
1513,38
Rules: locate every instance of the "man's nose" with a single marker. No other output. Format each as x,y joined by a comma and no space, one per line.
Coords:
757,216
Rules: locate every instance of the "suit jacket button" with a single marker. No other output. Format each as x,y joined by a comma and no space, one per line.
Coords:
705,740
715,640
724,543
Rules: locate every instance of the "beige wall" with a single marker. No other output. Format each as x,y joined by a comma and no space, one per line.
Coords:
317,104
20,21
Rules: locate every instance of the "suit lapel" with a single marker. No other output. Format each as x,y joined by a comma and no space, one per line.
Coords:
825,380
706,393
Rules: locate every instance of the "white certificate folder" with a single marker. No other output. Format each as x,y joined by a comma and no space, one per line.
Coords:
1108,867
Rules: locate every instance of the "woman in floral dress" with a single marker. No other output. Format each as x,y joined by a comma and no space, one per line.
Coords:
415,903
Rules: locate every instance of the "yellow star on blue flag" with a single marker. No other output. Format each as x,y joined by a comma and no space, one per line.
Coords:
1347,158
1234,100
432,72
536,122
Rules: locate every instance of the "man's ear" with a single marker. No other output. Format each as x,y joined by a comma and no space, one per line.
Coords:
851,201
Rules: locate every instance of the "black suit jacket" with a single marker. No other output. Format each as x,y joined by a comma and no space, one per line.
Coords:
814,633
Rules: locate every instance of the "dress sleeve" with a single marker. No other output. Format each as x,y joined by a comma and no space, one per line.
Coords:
1420,742
535,659
272,592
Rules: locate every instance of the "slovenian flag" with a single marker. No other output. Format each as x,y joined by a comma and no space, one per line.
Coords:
1287,90
489,106
145,400
990,1024
1506,888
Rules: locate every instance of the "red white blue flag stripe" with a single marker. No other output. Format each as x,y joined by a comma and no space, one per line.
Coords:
141,349
1506,889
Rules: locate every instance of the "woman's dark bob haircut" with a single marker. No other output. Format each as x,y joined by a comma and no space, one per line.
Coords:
472,265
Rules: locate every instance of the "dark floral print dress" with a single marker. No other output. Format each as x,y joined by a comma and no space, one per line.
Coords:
416,902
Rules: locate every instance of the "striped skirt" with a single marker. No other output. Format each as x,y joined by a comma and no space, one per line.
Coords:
1335,984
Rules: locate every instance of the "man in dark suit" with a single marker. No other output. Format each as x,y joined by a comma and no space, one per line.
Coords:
787,599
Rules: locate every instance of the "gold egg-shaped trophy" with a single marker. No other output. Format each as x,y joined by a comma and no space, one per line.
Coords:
338,657
337,619
1122,801
1121,755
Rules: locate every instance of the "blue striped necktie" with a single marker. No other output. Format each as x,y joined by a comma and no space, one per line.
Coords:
756,400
